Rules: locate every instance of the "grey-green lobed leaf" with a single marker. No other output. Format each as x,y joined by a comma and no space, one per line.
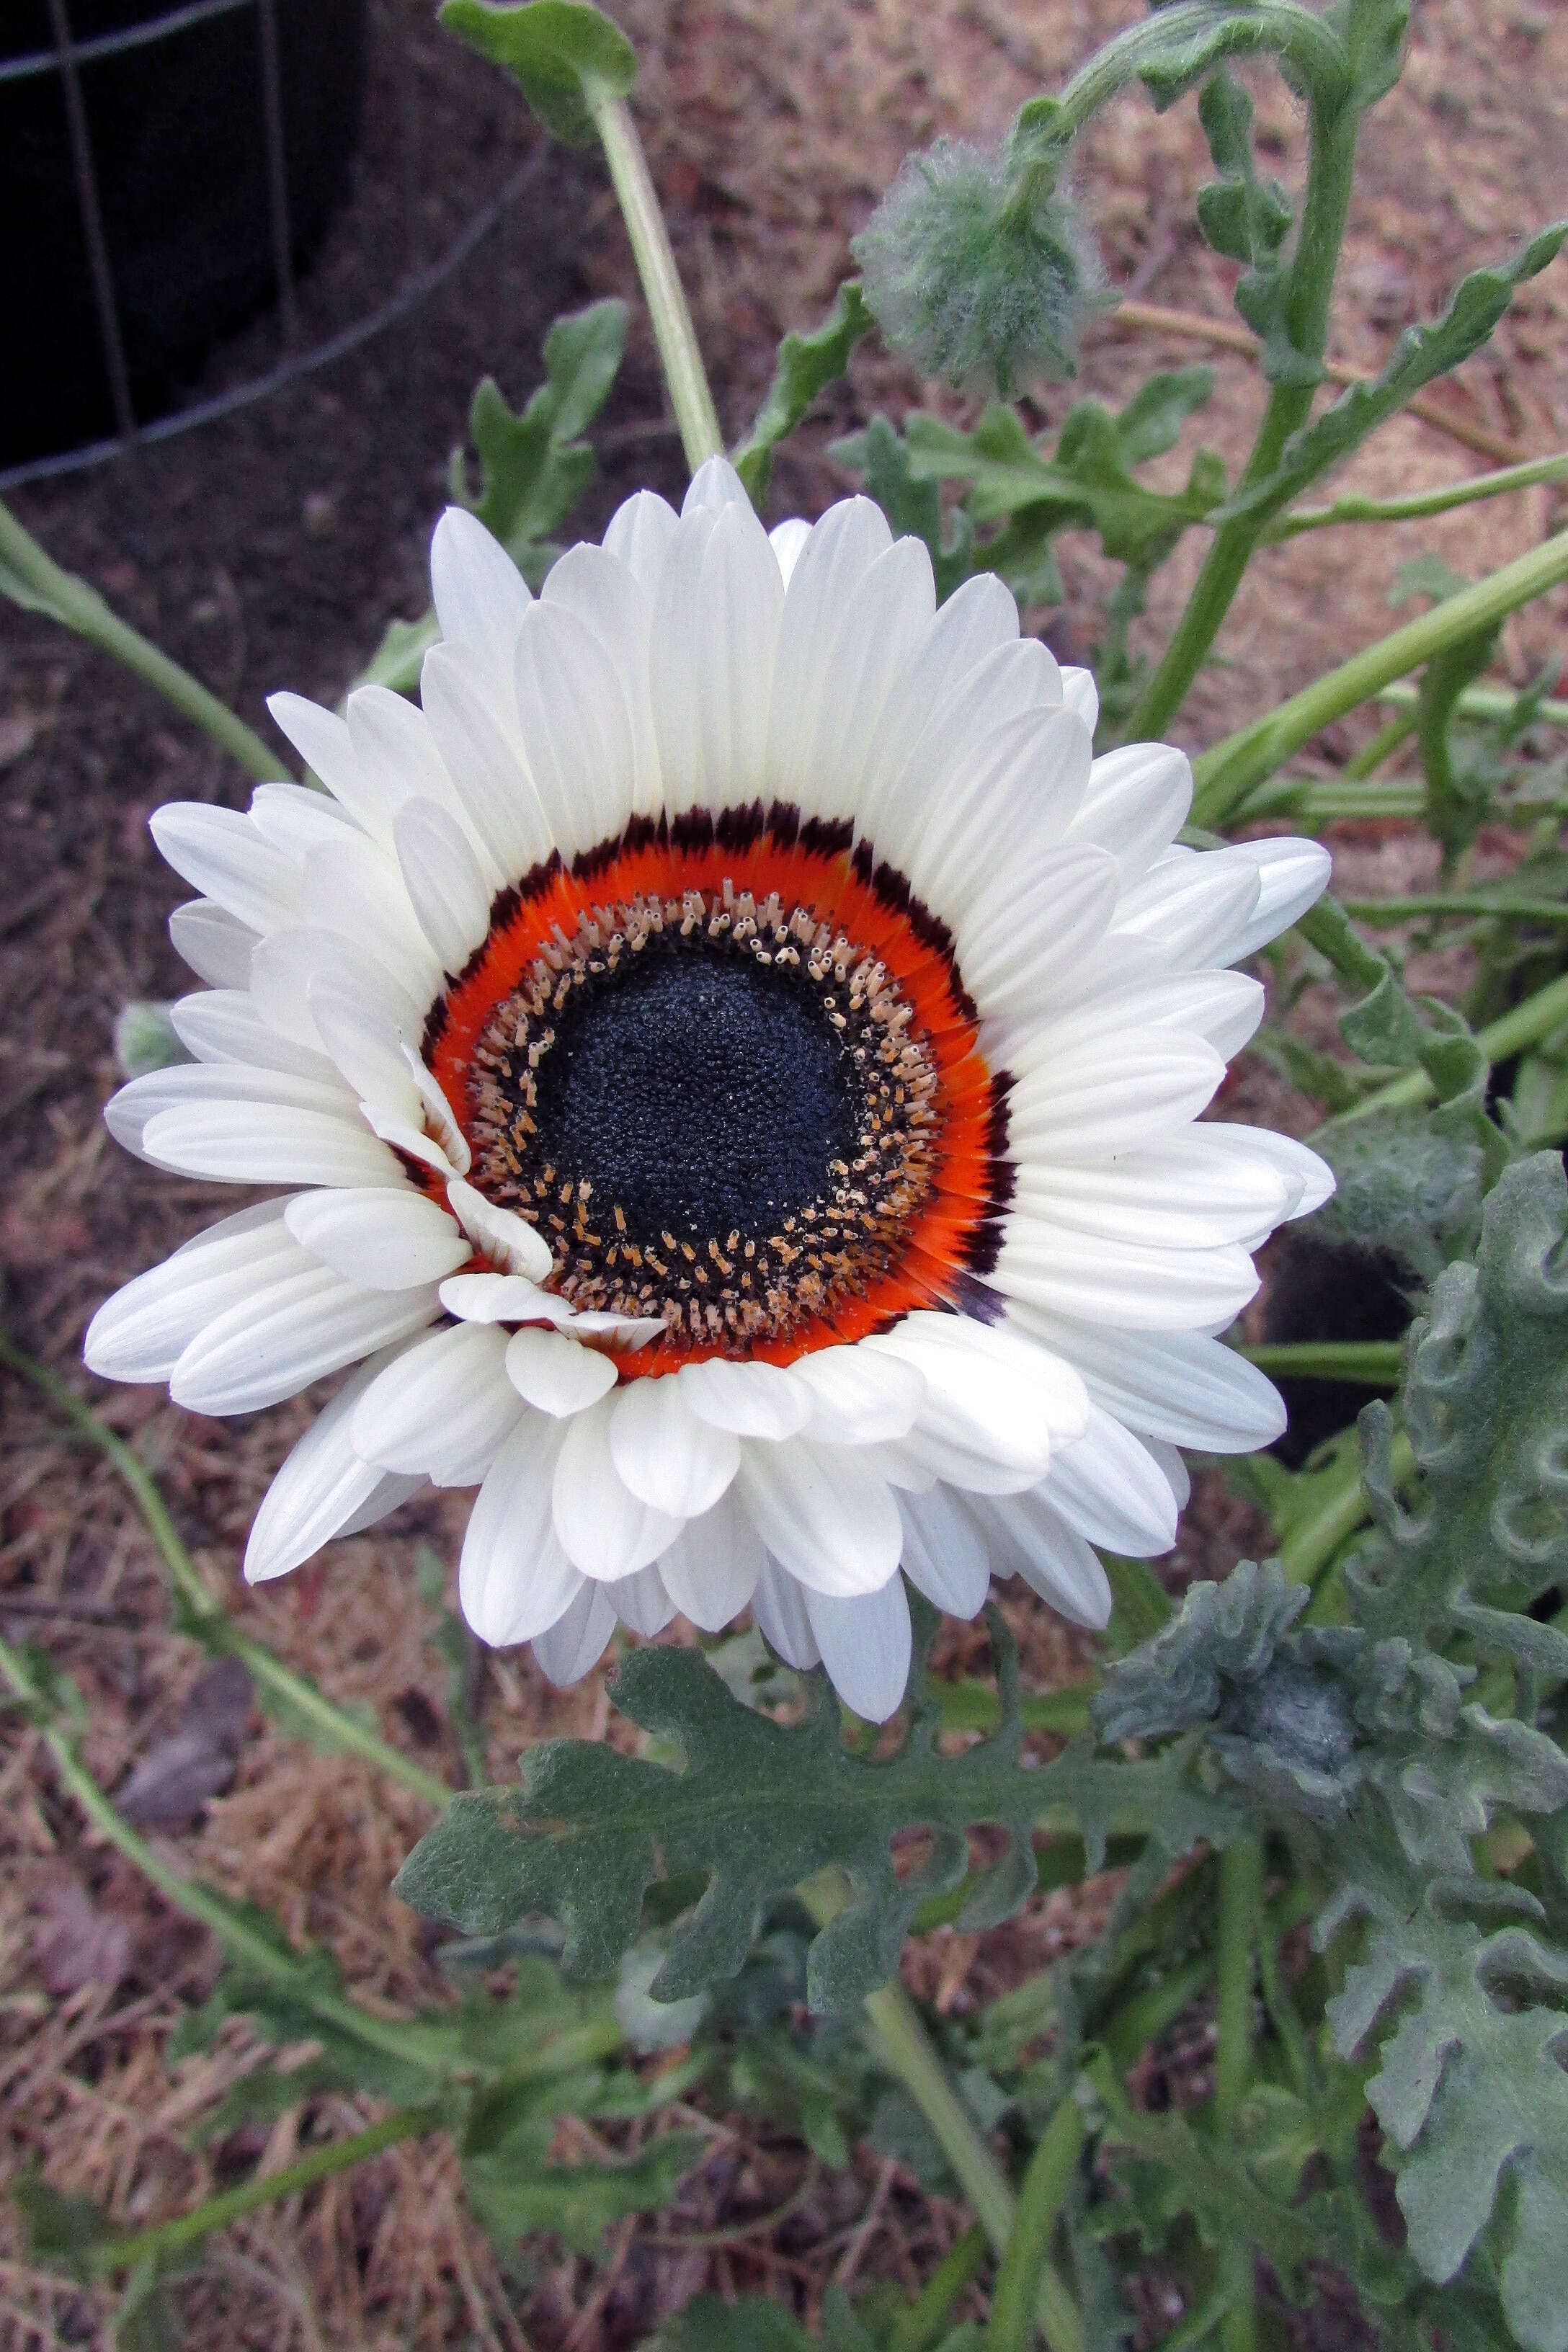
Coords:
760,1807
806,365
569,59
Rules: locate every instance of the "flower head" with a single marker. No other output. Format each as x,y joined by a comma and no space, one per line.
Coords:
980,267
732,1055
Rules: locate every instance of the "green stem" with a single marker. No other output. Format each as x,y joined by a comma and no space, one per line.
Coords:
1386,912
1481,702
36,582
397,2037
166,2238
1333,127
1377,1362
1016,2296
1424,503
898,2042
921,2323
1509,1034
1240,1914
973,1706
673,331
1228,772
1387,739
1292,33
207,1620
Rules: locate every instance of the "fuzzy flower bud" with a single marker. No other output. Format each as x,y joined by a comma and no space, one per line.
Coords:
979,266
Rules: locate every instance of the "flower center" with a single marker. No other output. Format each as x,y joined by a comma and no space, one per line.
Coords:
726,1065
712,1109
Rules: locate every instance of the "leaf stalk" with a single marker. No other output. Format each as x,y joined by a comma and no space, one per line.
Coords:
680,354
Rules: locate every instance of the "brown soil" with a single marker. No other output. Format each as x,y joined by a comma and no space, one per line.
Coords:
270,549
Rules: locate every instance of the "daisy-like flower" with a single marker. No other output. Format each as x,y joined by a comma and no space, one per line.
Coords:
734,1056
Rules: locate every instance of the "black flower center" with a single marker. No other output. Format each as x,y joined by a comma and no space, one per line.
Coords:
703,1094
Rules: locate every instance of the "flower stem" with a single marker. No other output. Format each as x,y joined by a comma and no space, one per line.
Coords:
1383,913
1293,33
403,2038
1377,1362
166,2238
1330,169
900,2043
204,1617
1424,503
1228,772
1017,2298
675,336
1240,1912
36,582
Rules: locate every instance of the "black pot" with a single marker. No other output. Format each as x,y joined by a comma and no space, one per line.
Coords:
178,139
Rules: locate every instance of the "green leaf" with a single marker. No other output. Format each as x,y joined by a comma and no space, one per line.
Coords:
1248,219
752,2323
806,365
568,59
62,2232
1404,1186
1421,355
759,1808
514,2195
535,467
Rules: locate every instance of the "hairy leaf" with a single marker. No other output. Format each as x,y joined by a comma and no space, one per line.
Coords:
1248,219
535,466
567,58
579,2202
806,365
758,1808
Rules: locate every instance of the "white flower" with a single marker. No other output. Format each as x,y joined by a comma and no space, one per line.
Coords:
734,1057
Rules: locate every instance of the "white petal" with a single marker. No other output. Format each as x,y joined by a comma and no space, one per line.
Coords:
752,1399
1080,693
1018,781
820,748
816,656
976,620
392,743
711,1569
715,484
715,631
825,1515
322,1490
1027,1537
639,535
386,1240
445,1407
577,1639
130,1112
943,1556
604,1527
865,1645
575,727
641,1603
1136,803
1196,1189
1028,930
217,949
226,858
321,739
1180,1386
355,887
1123,1284
501,1298
971,726
604,593
778,1604
142,1331
786,540
514,1581
288,965
665,1454
264,1143
1105,1485
1172,1469
1189,905
484,759
508,1240
277,1342
480,595
446,885
858,1397
1309,1180
222,1024
988,1390
365,1045
557,1374
295,817
1090,1101
1293,876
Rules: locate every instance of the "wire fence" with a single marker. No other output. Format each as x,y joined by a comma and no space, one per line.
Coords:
418,279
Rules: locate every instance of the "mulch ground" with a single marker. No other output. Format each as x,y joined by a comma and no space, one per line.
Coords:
270,549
